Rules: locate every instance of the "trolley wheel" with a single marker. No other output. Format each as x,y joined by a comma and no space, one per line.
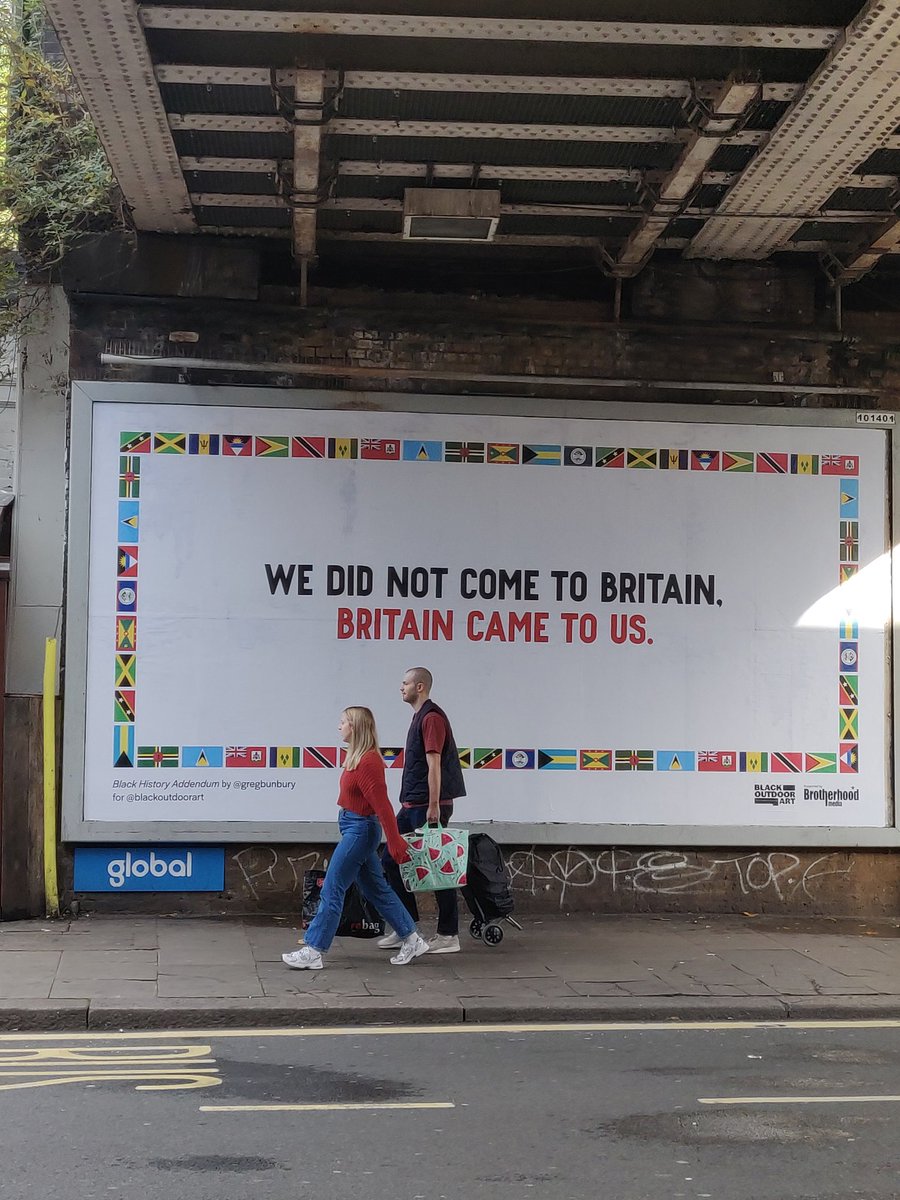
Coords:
475,929
492,935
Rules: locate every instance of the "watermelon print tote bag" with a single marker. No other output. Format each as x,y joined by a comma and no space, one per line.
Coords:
437,859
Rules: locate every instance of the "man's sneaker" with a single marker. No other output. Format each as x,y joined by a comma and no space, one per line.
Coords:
444,943
411,947
305,959
390,941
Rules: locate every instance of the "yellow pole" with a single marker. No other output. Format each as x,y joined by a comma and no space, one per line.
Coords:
51,891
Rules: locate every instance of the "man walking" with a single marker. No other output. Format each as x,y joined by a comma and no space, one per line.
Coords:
432,780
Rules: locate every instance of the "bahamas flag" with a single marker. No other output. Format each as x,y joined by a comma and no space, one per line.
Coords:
557,760
123,745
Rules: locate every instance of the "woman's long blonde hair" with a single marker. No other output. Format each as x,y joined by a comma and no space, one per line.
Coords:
363,735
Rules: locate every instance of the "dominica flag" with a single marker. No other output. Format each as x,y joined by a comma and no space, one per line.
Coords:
850,498
123,745
848,570
320,756
717,760
642,460
157,756
127,562
380,449
824,764
343,448
804,464
848,758
519,760
596,760
786,762
135,443
202,756
170,443
771,464
271,447
840,464
126,596
392,756
502,452
126,633
849,541
634,760
704,460
126,669
542,456
464,452
245,756
284,756
849,690
737,460
128,520
237,445
465,757
676,760
307,447
557,760
848,723
609,456
129,477
203,443
423,451
124,705
754,761
674,460
485,759
578,456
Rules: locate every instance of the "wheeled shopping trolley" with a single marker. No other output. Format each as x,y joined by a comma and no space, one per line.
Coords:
486,891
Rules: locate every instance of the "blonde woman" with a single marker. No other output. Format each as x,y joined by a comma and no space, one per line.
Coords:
365,811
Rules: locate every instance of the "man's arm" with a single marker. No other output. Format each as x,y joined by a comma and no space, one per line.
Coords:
434,786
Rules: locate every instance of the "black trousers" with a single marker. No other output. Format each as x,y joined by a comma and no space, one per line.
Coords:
409,819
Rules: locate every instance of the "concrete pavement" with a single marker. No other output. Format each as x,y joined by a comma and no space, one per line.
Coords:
155,972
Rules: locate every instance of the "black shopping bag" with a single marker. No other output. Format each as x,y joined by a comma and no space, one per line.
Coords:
359,919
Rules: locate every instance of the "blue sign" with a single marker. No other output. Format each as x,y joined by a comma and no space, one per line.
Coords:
149,869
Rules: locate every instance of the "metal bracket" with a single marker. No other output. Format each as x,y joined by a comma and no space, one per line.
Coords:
699,114
291,109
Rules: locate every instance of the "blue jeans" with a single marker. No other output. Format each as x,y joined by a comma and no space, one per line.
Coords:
409,819
355,860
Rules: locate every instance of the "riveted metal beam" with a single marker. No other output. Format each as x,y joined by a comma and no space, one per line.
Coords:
308,116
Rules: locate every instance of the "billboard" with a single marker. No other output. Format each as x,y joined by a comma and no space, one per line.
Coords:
629,622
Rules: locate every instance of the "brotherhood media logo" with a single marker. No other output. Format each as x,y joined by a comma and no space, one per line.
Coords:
774,793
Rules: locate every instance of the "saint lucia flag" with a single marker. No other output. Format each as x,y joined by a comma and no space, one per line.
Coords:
423,451
202,756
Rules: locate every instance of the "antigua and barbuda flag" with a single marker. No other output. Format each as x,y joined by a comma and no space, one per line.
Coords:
157,756
717,760
849,758
284,756
609,456
320,756
271,447
307,447
170,443
465,757
126,670
202,756
126,596
786,761
542,456
464,452
423,451
704,460
642,459
487,759
126,633
754,761
124,707
674,460
127,562
123,746
519,760
502,452
840,464
128,520
557,760
392,756
804,464
849,656
237,445
129,477
246,756
676,760
848,724
737,460
203,443
595,760
768,463
135,443
380,449
850,498
634,760
849,690
578,456
343,447
820,764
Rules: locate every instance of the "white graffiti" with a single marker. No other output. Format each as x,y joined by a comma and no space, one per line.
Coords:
261,866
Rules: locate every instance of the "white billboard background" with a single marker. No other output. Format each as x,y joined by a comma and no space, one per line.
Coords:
222,663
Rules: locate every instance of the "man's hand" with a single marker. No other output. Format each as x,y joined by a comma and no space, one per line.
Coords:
433,815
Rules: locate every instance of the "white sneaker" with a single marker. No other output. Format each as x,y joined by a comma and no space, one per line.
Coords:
444,943
390,941
305,959
411,947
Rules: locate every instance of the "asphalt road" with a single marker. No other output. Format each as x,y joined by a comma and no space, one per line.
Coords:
737,1112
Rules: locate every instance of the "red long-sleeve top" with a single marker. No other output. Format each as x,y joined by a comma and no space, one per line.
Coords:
364,791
